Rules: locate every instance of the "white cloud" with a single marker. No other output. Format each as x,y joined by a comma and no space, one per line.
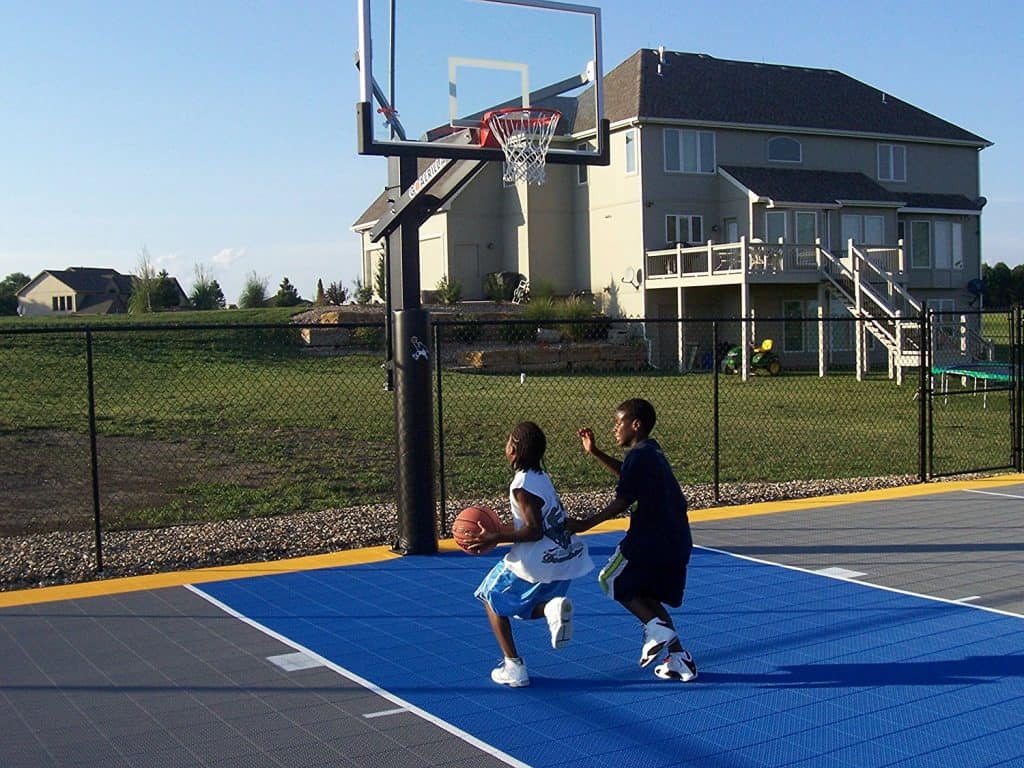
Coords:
228,255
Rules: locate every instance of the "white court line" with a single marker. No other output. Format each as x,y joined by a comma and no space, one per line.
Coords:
864,583
967,599
405,705
385,713
993,493
839,573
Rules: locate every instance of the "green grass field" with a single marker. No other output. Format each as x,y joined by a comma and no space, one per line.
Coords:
198,425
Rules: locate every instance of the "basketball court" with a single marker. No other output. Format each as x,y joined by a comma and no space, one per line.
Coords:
882,628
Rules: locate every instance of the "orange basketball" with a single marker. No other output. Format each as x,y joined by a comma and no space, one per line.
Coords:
469,521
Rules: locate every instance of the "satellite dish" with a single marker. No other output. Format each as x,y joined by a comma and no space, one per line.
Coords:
629,276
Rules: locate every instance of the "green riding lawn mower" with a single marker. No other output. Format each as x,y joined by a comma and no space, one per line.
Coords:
763,359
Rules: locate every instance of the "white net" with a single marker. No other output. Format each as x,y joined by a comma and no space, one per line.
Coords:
524,135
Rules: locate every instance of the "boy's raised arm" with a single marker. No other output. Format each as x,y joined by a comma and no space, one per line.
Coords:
589,442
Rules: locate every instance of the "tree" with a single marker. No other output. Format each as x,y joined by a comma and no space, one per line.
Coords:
206,292
363,293
380,279
254,292
143,285
9,288
320,299
336,294
165,292
997,285
287,295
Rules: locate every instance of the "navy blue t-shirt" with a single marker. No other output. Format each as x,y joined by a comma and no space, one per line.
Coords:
659,530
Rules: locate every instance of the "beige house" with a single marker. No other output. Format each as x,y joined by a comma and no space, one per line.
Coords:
736,189
81,291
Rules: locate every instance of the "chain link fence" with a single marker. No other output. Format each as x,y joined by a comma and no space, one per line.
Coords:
120,428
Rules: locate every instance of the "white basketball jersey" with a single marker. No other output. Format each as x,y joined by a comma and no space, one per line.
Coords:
558,555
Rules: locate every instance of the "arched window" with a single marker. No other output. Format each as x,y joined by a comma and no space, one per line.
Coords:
783,149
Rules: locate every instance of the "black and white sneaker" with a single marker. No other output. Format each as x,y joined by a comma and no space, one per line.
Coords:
657,635
677,666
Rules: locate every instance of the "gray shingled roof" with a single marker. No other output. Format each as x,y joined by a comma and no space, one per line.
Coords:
800,186
93,279
790,185
701,88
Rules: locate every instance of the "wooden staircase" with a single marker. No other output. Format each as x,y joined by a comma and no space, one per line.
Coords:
885,309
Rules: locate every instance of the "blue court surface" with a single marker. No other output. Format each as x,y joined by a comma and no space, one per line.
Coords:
796,668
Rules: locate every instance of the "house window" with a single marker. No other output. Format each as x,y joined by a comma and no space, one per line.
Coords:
920,244
581,170
774,226
689,151
949,253
684,229
892,162
783,149
862,229
631,152
54,300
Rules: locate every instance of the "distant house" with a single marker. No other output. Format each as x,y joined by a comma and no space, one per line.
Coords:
80,291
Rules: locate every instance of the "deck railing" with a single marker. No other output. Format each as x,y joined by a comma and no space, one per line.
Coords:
760,258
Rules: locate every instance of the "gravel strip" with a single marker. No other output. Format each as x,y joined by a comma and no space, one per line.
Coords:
64,558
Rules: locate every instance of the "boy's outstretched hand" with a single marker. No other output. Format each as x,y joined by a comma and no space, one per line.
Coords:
586,436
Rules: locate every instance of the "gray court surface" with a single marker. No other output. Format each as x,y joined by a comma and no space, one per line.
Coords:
958,545
165,678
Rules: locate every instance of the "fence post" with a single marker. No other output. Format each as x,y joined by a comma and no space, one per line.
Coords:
1017,397
714,411
924,391
92,450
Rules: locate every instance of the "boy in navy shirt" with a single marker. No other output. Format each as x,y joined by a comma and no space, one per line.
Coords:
648,568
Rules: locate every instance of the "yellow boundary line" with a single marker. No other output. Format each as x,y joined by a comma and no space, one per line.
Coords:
378,554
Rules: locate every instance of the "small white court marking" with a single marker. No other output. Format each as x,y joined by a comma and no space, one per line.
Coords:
385,713
993,493
293,662
967,599
840,573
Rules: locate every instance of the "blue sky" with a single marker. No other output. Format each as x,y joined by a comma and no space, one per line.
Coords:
222,133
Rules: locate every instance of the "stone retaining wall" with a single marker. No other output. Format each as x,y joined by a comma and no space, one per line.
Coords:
592,356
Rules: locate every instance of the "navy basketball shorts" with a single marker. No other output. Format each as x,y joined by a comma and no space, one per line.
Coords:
623,580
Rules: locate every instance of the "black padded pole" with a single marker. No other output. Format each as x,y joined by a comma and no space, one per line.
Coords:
414,433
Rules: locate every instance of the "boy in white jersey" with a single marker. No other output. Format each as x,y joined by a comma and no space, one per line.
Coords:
531,581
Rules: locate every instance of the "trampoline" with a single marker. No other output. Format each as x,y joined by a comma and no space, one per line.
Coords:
998,373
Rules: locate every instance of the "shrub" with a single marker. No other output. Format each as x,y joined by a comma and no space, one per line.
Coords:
449,291
363,294
494,287
368,336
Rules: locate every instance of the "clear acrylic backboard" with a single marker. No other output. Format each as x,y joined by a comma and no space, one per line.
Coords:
430,69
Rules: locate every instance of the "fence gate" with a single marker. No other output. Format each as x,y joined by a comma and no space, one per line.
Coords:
971,385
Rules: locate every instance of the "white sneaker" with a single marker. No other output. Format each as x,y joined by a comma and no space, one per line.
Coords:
657,635
558,612
677,666
511,672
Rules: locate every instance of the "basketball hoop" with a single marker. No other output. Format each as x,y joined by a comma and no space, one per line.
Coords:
524,134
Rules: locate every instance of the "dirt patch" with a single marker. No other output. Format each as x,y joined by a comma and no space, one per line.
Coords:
47,477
